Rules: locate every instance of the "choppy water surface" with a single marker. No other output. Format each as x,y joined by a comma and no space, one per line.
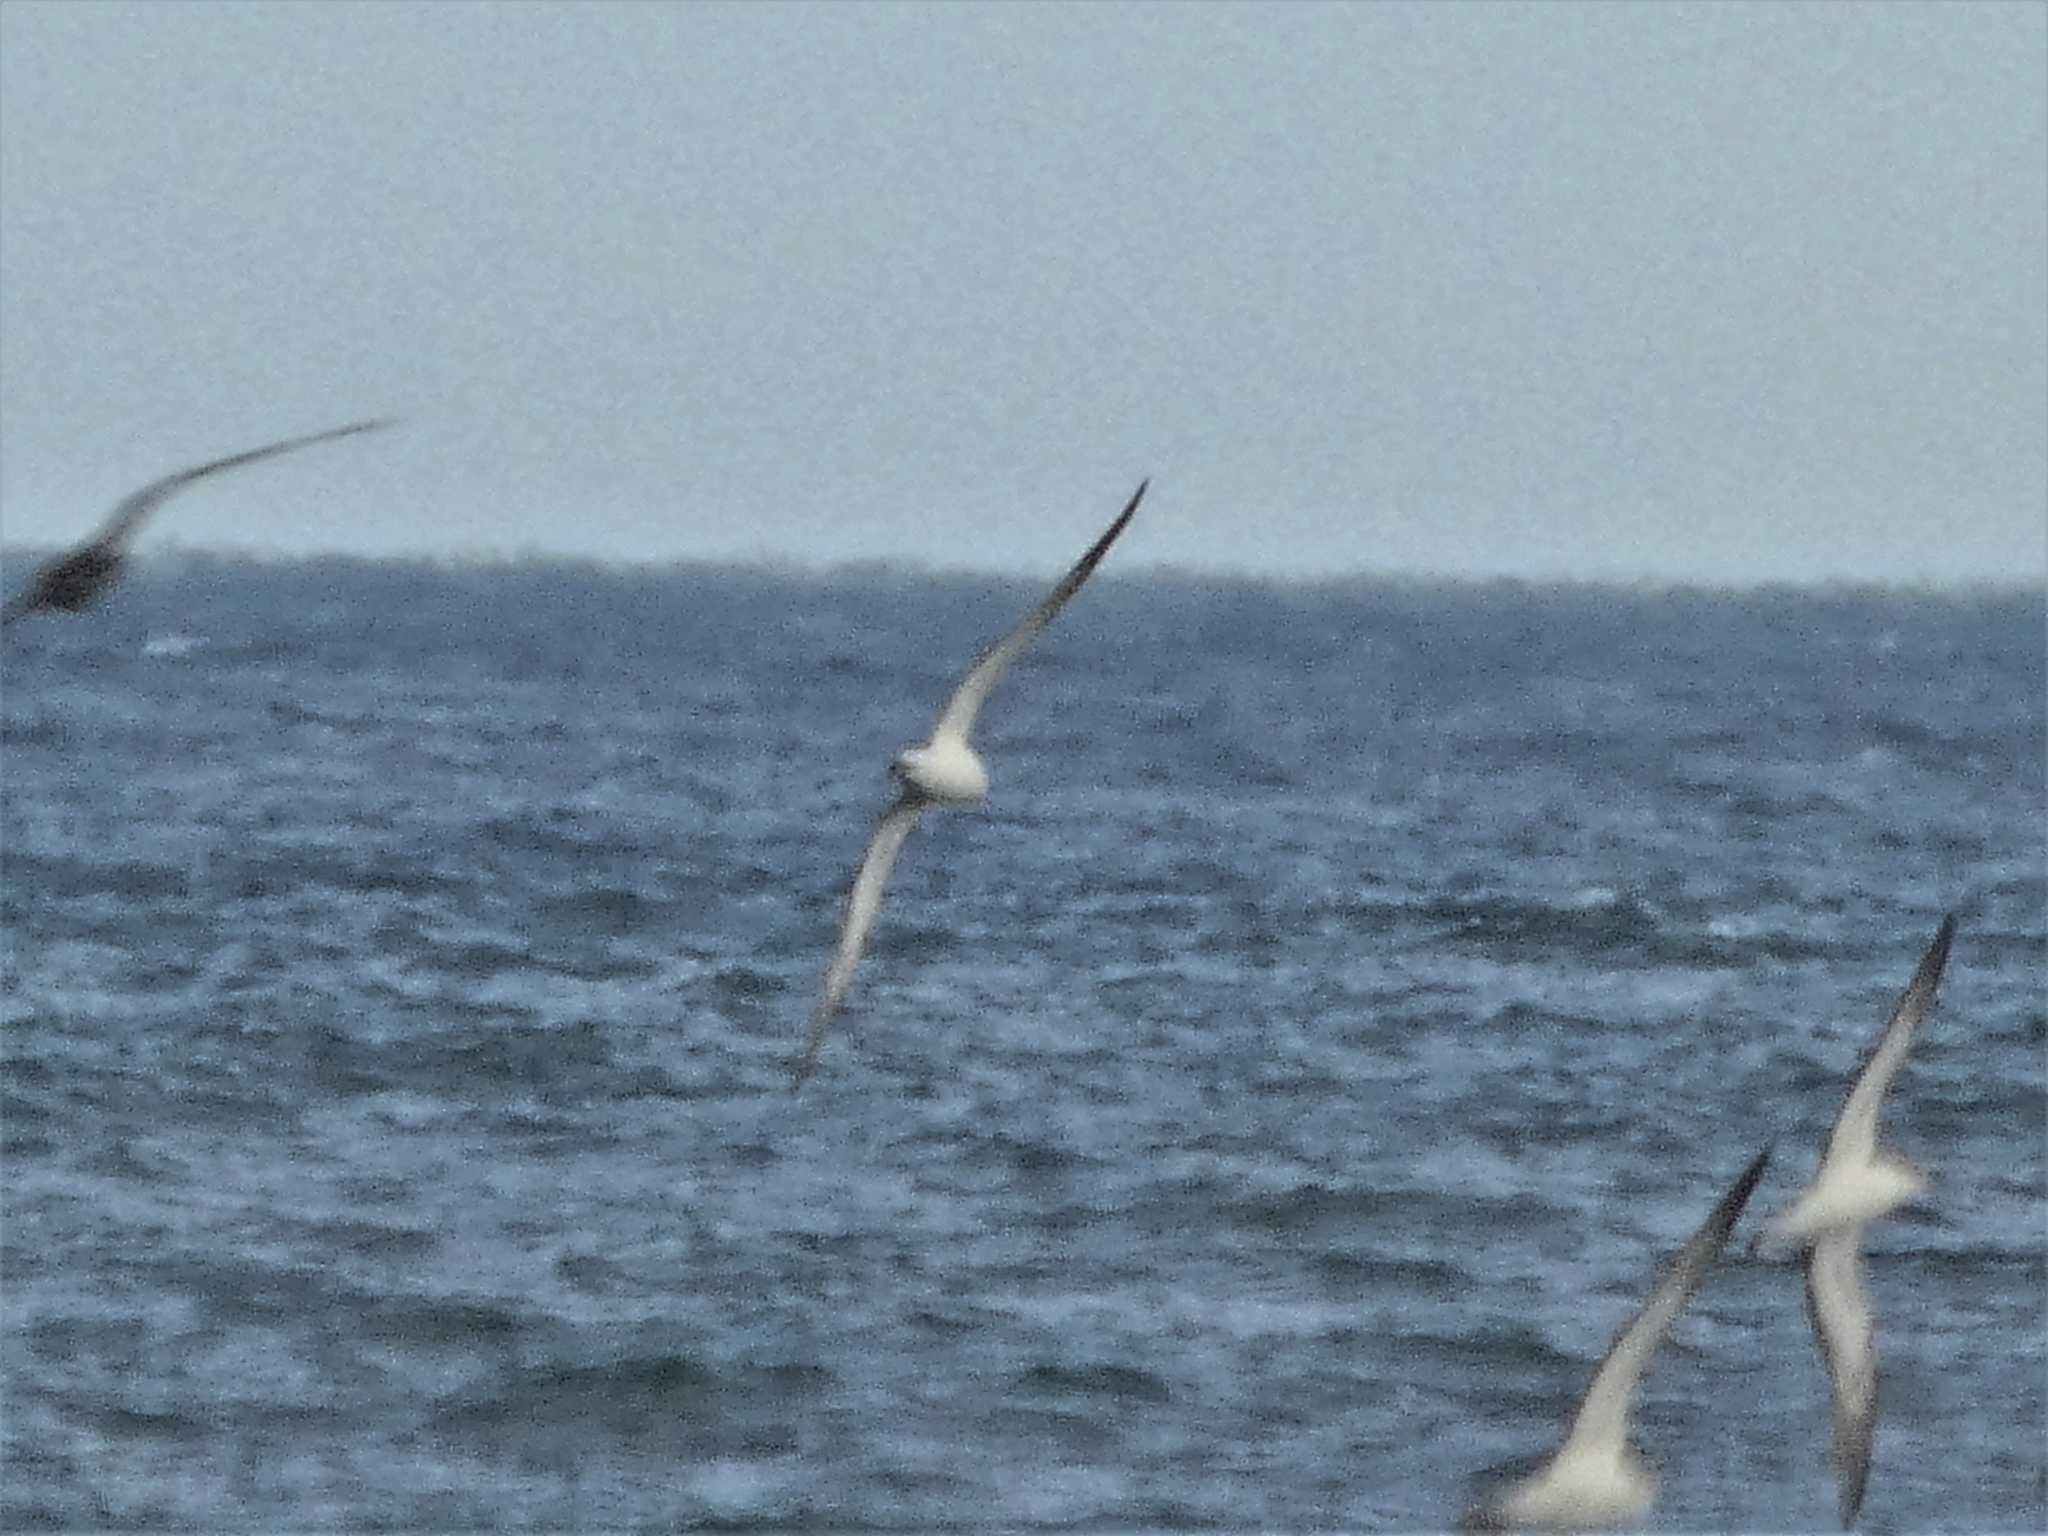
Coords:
1262,1115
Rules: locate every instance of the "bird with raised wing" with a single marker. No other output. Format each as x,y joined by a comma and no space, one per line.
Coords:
1857,1182
1595,1477
945,769
73,581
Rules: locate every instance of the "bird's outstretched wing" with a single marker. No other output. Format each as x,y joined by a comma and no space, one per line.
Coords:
1855,1132
957,719
863,902
1602,1418
139,504
1840,1309
76,579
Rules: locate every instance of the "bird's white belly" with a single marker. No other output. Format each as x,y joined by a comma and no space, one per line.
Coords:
945,769
1848,1199
1580,1490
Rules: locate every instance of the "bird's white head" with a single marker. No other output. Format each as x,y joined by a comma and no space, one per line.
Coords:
945,768
1904,1175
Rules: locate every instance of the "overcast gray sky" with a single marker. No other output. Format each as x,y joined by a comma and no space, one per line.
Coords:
1711,292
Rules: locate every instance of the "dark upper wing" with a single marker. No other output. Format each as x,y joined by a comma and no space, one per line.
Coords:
958,715
140,504
1855,1132
1603,1414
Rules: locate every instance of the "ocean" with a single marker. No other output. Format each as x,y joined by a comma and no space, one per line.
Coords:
1261,1115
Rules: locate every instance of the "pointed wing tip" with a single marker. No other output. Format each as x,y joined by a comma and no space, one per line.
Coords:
1712,1237
1087,562
1946,935
813,1048
1728,1210
1737,1199
808,1062
1852,1506
1755,1170
1130,510
1935,961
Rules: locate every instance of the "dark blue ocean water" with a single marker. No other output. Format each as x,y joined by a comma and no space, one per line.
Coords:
1261,1115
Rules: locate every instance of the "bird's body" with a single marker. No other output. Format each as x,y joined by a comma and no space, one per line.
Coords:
1581,1487
944,770
75,580
1857,1183
71,581
1595,1477
1848,1197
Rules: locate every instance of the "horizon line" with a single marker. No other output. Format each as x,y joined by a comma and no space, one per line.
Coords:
1165,571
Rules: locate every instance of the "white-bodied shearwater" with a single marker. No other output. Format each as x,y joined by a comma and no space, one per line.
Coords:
72,581
1858,1182
946,768
1596,1478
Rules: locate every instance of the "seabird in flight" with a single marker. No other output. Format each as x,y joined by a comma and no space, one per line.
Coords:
946,768
1858,1181
75,580
1596,1478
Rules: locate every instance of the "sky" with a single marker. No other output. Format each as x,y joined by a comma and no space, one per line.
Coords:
1692,292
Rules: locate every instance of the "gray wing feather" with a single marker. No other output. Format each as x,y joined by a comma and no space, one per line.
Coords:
1855,1132
1603,1414
1842,1323
140,504
863,902
958,715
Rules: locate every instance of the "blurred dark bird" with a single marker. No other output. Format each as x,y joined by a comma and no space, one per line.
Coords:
73,581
